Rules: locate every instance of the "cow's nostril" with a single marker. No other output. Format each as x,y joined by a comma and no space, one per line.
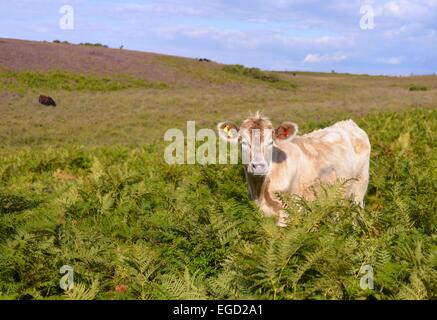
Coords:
258,166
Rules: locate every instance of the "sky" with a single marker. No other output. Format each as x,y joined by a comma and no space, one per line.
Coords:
397,37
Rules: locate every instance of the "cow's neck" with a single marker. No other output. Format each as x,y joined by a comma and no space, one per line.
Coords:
260,193
255,184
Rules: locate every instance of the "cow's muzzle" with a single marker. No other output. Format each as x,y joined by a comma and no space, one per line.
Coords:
258,169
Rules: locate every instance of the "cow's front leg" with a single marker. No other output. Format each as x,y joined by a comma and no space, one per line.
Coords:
274,208
282,218
267,210
278,207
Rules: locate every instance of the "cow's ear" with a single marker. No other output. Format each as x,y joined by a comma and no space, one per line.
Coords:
228,131
285,132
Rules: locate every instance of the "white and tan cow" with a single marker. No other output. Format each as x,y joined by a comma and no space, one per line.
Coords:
278,160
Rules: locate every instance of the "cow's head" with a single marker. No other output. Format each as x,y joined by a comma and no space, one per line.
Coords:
257,139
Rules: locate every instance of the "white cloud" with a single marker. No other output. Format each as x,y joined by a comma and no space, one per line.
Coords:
316,58
392,60
167,8
298,34
329,40
255,38
396,13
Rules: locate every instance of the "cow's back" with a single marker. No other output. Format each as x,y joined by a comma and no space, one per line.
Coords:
344,134
336,152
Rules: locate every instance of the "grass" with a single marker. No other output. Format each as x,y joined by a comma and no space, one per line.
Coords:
124,219
414,87
61,80
255,73
135,116
199,72
215,74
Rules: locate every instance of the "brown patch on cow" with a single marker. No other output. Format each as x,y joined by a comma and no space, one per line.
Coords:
323,147
309,150
269,200
257,122
307,147
359,145
309,193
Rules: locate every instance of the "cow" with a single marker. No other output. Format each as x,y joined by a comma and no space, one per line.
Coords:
47,101
281,161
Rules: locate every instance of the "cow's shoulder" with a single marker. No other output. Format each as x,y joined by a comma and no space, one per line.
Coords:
339,133
342,135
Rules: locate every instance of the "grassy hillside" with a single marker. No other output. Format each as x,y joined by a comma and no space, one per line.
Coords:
84,184
141,95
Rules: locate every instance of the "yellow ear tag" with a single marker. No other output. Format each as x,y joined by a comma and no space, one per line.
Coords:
227,131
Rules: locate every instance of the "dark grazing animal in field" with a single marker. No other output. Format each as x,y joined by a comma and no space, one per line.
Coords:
204,60
47,101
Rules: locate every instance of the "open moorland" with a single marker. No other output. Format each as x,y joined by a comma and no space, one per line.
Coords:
85,183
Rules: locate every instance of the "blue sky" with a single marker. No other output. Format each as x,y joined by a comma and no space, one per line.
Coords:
310,35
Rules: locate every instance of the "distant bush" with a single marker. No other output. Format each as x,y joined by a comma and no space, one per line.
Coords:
252,72
258,74
61,80
414,87
63,42
83,44
93,44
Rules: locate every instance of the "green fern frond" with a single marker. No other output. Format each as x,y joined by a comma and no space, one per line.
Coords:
81,292
414,290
